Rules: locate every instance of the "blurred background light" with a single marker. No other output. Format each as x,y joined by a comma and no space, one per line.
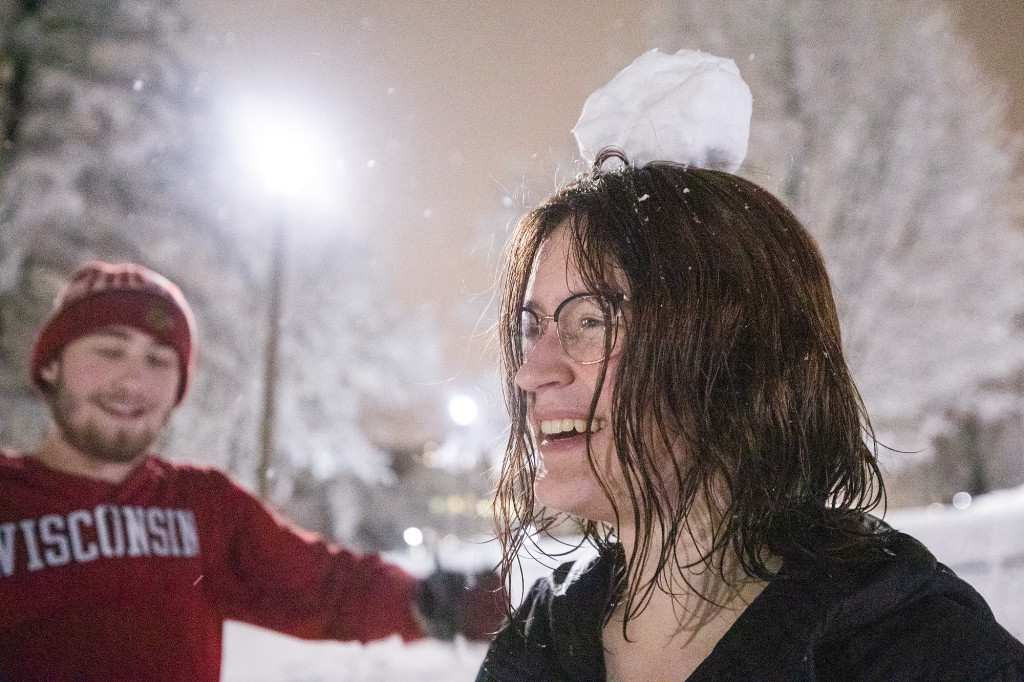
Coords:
962,500
413,536
463,410
288,151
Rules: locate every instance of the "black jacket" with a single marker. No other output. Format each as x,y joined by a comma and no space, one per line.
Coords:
904,618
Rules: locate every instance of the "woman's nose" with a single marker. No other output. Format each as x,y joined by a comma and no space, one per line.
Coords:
546,364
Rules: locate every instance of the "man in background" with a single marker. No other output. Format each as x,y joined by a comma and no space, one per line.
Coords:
116,564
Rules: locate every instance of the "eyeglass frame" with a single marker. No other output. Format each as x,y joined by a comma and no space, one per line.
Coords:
614,300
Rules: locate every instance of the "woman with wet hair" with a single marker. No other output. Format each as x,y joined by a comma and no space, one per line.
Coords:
676,383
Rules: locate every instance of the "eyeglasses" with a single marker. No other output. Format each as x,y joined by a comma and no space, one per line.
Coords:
586,325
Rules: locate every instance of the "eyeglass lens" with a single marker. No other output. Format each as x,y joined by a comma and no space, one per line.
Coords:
582,323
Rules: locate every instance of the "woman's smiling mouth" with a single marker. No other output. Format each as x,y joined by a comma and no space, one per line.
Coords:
554,429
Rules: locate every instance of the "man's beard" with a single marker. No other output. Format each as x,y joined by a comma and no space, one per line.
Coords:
88,438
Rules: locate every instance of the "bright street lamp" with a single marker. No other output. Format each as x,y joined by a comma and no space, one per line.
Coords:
291,163
290,159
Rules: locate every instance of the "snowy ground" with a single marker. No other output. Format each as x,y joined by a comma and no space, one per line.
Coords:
255,655
983,543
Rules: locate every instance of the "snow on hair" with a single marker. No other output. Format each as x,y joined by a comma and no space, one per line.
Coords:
690,107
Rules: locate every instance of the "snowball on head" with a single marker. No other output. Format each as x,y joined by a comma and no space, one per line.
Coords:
689,107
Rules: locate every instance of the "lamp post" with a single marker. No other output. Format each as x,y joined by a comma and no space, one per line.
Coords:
290,161
268,415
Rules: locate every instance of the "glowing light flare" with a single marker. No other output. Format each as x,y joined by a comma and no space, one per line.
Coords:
463,410
413,536
287,151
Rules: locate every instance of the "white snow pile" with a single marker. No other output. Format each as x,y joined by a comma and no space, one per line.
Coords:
252,654
689,107
982,540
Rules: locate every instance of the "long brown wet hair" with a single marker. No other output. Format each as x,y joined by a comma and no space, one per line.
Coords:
731,394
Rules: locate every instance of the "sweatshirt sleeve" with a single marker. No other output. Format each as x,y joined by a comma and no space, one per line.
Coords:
265,571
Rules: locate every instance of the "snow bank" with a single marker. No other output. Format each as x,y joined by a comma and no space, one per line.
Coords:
253,654
983,543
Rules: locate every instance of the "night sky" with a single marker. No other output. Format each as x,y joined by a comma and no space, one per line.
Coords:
440,110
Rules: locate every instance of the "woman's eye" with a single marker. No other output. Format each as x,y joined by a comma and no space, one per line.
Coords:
529,327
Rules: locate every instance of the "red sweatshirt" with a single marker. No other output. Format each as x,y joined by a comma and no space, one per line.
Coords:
133,581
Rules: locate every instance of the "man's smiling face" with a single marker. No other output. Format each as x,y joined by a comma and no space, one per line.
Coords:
112,392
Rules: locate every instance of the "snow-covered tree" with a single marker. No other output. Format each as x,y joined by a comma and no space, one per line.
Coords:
356,366
875,124
115,150
111,154
362,406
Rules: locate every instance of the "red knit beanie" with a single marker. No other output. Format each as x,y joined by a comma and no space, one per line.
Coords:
100,295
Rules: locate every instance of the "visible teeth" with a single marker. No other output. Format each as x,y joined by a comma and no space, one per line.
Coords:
123,410
552,427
